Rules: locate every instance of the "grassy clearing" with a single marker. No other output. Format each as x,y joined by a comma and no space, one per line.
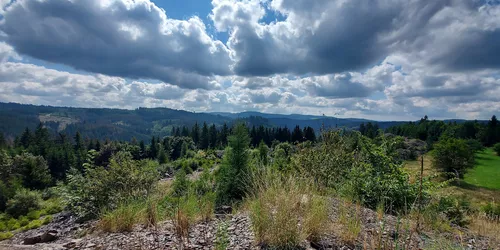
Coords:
486,172
478,195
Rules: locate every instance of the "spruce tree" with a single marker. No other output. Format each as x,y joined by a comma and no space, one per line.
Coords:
204,138
233,176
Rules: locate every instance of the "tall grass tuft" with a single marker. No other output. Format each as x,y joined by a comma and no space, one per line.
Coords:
286,210
123,218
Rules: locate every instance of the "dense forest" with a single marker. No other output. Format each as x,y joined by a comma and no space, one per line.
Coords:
142,123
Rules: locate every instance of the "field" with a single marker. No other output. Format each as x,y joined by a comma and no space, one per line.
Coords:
481,184
486,172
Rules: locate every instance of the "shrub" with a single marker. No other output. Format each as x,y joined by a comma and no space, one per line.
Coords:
496,148
34,215
33,224
33,169
6,235
453,156
3,227
53,208
23,202
102,188
454,209
285,211
359,170
180,185
23,221
13,224
47,219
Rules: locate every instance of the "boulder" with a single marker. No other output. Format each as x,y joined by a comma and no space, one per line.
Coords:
47,236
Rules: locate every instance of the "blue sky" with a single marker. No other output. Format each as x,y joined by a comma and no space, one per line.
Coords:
397,61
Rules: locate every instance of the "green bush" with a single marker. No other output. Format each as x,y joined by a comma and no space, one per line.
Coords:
53,208
359,170
6,235
23,202
453,156
47,219
3,227
455,209
33,225
496,148
34,215
23,221
13,224
102,188
180,185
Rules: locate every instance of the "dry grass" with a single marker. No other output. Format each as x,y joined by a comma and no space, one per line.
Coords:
286,210
486,226
350,221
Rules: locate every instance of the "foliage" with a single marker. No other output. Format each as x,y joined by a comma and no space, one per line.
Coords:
180,185
100,188
358,169
453,156
23,202
5,235
222,236
33,169
454,209
492,209
232,177
496,147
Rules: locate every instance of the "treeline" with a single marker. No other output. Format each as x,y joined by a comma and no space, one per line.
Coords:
206,136
62,152
430,131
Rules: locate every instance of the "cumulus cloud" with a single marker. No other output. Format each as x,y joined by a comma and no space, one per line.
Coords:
21,82
133,39
384,59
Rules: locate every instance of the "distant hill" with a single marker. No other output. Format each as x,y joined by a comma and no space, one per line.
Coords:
142,123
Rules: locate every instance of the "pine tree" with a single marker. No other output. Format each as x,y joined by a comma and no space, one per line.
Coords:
297,134
185,131
204,138
309,134
3,142
195,134
26,138
162,156
153,148
223,135
213,136
234,174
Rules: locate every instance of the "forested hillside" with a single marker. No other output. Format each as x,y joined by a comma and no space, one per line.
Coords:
142,123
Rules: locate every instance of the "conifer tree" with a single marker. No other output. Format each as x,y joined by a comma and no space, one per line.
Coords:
233,177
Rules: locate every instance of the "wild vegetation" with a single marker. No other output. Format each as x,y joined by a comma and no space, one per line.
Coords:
295,186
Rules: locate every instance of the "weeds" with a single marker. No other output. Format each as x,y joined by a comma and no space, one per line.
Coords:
222,236
350,221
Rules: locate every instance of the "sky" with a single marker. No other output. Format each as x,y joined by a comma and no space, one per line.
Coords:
377,59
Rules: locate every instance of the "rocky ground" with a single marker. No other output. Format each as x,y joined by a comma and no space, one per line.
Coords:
65,233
